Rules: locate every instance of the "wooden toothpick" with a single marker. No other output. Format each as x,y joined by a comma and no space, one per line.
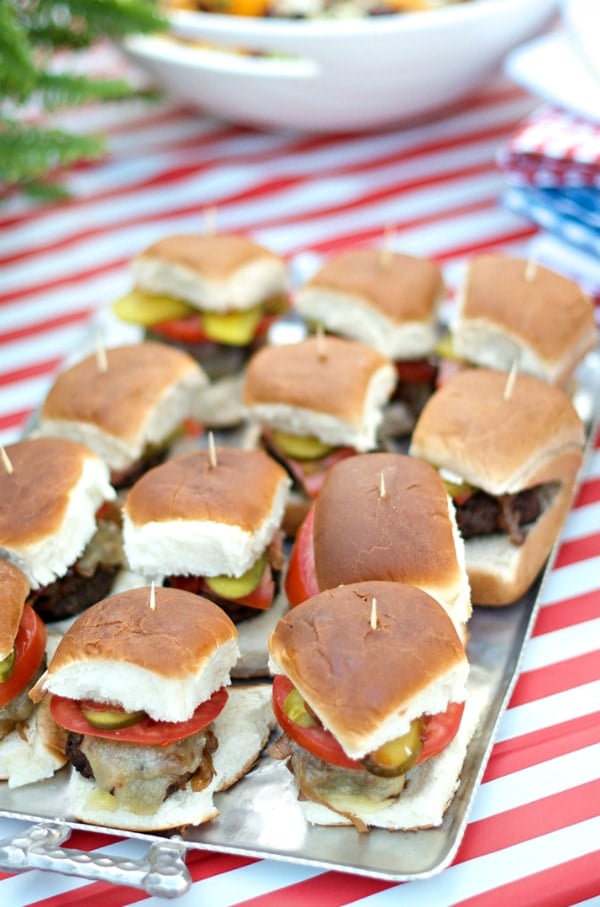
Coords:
382,488
210,221
212,451
6,462
387,250
152,601
510,380
530,270
101,359
374,614
321,344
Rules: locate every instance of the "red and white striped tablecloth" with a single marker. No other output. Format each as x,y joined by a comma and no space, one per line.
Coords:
533,838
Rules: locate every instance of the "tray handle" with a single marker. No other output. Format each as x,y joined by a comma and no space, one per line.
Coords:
162,871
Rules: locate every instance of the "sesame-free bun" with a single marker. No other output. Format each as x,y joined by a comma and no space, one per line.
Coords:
191,517
242,730
163,651
327,387
398,524
35,750
140,398
534,438
510,309
385,299
14,589
211,271
497,443
49,502
366,683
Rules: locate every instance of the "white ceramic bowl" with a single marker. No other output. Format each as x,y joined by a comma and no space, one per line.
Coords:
338,75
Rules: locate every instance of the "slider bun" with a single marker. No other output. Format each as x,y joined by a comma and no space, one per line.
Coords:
33,751
545,322
500,572
49,504
387,300
211,271
500,445
164,661
242,729
141,398
187,517
367,685
331,388
14,589
409,535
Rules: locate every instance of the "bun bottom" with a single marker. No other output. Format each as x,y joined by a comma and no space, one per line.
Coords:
428,792
35,751
242,729
500,572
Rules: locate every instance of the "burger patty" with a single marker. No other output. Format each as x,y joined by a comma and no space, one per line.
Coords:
483,514
218,360
142,777
72,593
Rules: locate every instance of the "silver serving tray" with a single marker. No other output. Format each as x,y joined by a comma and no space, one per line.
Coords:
260,816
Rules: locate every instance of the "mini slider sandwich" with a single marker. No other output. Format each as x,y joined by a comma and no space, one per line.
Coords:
509,449
511,310
369,689
210,522
32,747
140,683
213,294
52,490
316,402
389,301
127,403
382,516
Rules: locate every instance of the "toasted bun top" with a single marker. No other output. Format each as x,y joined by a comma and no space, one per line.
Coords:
14,589
173,639
37,493
501,445
361,666
160,650
547,311
323,374
120,398
394,511
403,287
213,255
239,490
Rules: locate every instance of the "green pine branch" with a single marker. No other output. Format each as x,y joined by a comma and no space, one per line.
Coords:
31,32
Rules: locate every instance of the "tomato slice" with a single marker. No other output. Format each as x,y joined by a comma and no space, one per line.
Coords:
301,578
438,730
416,371
310,474
317,740
67,713
30,645
181,330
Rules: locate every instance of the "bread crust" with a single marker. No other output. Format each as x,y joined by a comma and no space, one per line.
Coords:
326,375
172,640
212,255
14,589
239,490
547,317
403,287
120,399
387,516
356,677
500,445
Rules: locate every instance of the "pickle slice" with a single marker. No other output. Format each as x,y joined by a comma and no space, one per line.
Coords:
238,586
6,666
396,756
232,328
112,719
300,447
142,308
295,709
